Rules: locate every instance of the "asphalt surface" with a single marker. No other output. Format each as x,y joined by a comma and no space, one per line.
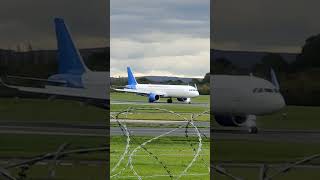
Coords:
158,103
99,130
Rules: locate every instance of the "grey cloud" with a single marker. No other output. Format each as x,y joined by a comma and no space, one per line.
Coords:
22,21
160,37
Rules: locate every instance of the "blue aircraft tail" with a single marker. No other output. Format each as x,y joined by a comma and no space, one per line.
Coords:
274,79
69,58
131,79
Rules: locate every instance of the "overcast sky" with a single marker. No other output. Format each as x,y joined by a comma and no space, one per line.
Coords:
167,37
32,21
264,25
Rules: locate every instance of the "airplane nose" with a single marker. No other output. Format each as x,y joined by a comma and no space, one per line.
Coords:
282,102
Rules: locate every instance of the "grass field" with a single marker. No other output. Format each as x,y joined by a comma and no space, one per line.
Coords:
42,110
174,152
186,110
26,146
254,174
264,152
29,146
74,172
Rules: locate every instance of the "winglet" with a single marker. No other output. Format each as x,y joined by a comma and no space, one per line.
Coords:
131,79
274,79
69,58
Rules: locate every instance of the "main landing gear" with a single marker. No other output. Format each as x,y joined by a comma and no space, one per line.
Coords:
251,124
169,100
253,130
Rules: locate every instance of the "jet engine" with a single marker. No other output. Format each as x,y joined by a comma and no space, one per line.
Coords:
229,120
236,121
186,100
153,97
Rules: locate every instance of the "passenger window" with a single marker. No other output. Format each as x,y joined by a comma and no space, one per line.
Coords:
260,90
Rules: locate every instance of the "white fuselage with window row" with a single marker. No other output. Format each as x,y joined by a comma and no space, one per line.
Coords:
174,91
244,95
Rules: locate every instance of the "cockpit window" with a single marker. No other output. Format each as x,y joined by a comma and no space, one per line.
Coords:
267,90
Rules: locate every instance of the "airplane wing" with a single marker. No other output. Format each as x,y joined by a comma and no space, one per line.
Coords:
140,91
63,91
57,82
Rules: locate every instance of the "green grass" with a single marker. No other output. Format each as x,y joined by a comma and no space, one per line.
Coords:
114,96
74,172
262,151
162,116
266,152
185,110
49,111
174,152
254,173
26,146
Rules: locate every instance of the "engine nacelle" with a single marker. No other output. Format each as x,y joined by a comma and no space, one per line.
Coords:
229,120
153,97
186,100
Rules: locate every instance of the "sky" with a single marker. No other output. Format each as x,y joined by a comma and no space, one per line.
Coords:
160,38
263,25
32,21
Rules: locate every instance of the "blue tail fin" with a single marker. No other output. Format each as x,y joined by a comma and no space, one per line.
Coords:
69,58
131,79
274,79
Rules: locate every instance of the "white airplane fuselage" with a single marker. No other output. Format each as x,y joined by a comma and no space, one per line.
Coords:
244,95
169,91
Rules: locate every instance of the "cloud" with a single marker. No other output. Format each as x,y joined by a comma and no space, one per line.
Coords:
32,21
160,38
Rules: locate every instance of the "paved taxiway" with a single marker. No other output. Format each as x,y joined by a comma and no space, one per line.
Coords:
100,130
158,103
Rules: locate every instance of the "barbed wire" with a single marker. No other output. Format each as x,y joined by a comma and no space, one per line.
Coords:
154,156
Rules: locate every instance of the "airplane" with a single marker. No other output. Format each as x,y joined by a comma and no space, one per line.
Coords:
183,93
237,100
74,80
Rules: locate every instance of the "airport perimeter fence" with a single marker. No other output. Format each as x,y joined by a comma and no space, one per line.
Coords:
188,123
55,157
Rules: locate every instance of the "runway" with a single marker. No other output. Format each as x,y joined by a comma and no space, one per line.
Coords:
57,129
276,135
157,103
100,130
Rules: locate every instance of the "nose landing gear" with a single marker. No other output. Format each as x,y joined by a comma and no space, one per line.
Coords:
253,130
251,124
169,100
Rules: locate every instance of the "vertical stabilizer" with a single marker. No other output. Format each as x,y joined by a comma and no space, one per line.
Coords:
131,79
69,58
274,79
